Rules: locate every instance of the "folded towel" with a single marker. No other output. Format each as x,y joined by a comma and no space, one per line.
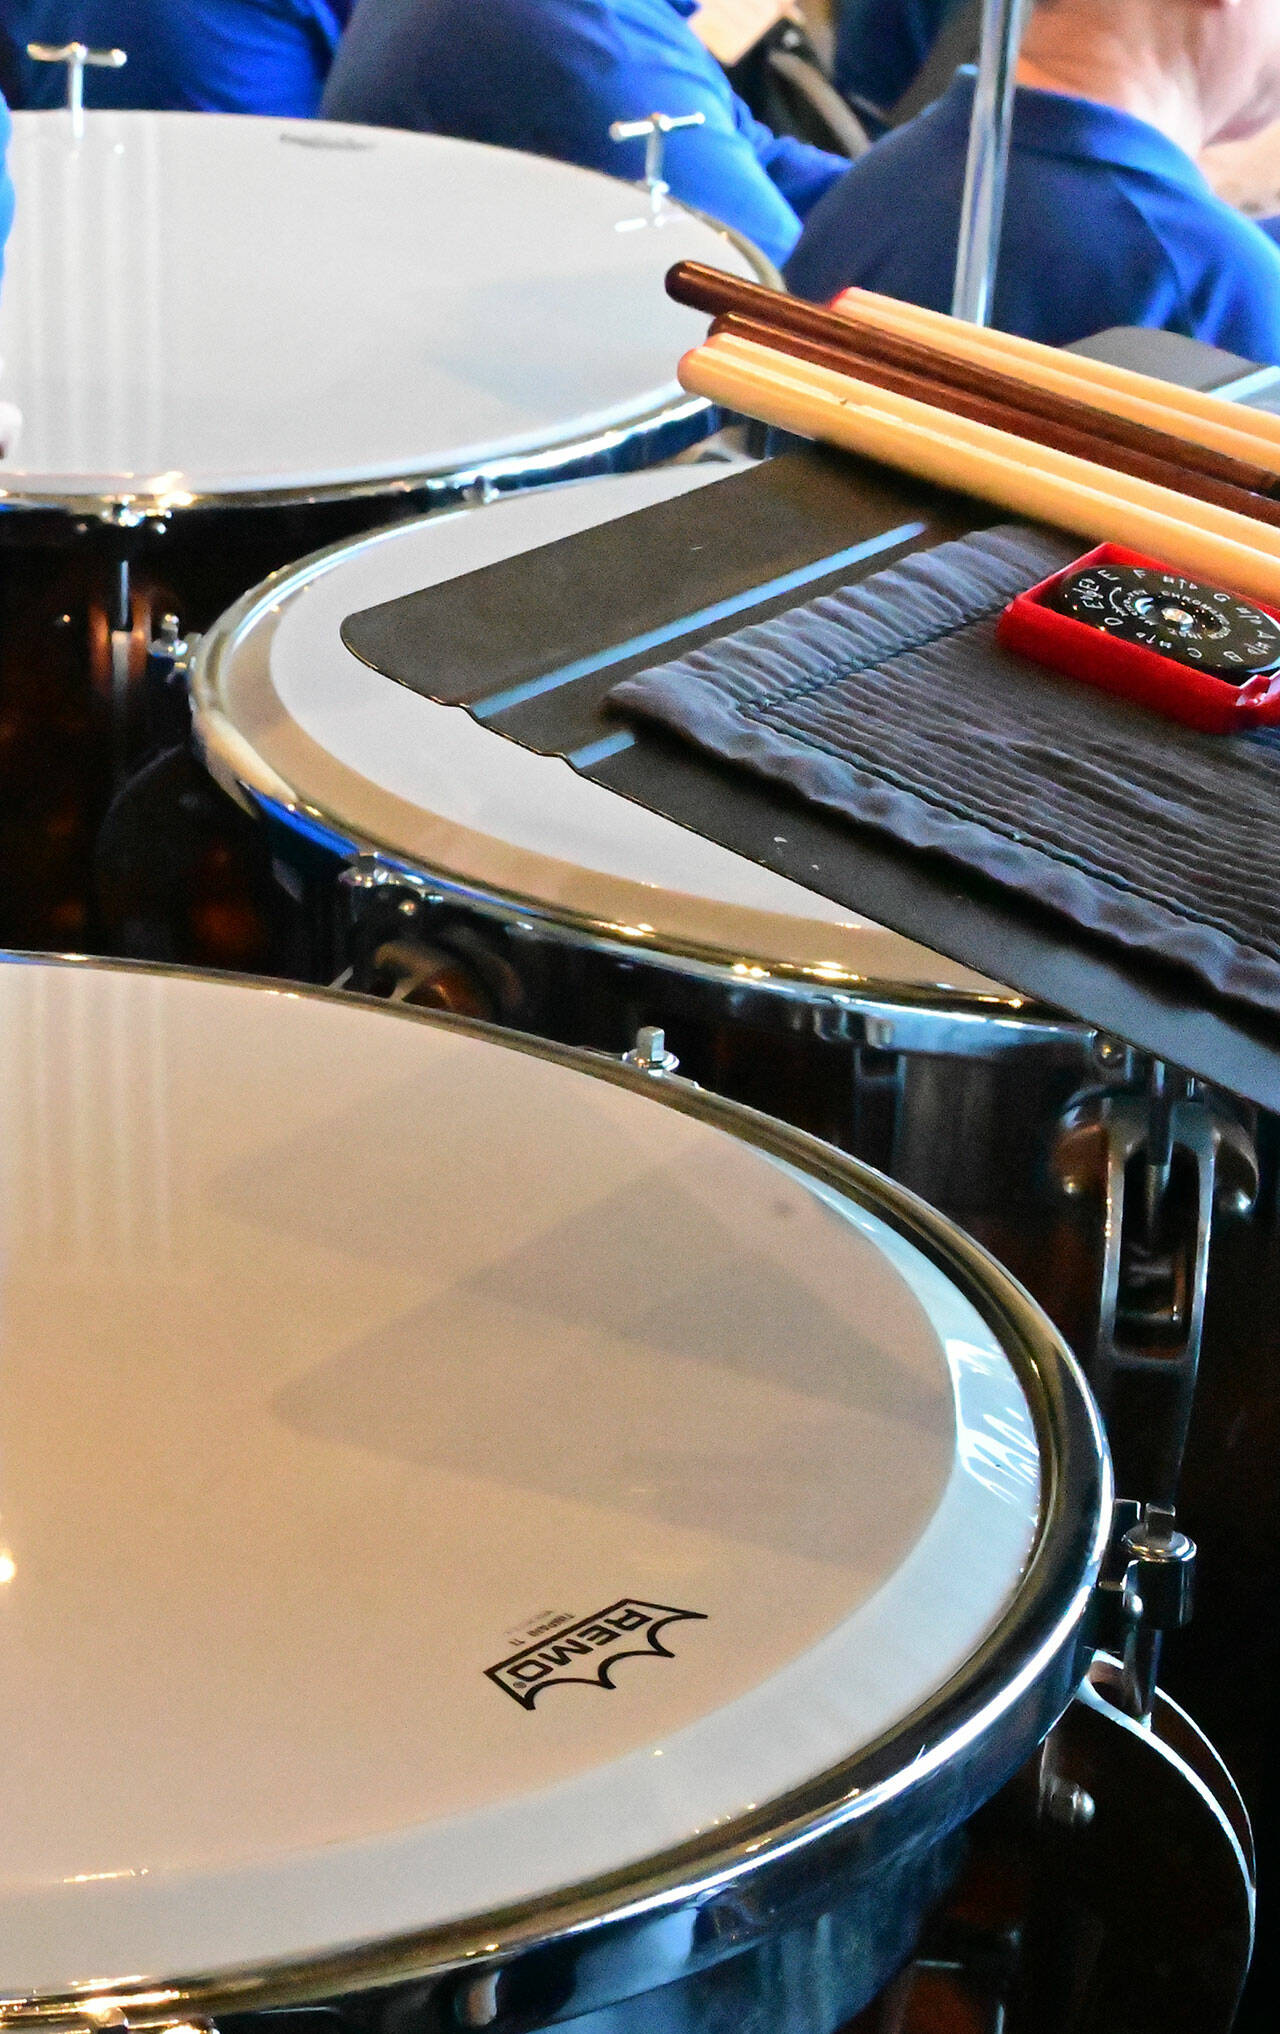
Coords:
890,702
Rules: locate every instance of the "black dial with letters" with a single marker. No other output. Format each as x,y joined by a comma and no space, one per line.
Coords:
1195,625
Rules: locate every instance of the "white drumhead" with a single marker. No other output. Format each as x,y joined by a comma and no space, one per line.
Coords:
288,711
200,304
344,1355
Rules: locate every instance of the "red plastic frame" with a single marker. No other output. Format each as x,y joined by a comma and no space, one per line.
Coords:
1153,681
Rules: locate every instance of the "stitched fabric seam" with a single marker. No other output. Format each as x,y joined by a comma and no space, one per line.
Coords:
1063,857
871,662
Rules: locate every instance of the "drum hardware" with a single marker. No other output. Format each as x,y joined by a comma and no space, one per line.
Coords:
107,479
649,1054
1164,1162
166,701
1141,1909
382,911
653,131
76,55
1146,1588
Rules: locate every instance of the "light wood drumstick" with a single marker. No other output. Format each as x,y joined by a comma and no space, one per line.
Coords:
787,320
1191,413
849,359
1027,479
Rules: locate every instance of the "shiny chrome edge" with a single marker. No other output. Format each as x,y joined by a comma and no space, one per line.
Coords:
539,465
737,972
914,1784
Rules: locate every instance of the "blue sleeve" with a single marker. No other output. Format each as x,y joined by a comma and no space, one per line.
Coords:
1239,308
801,172
6,182
881,46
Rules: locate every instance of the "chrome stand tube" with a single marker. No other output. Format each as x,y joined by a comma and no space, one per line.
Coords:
982,208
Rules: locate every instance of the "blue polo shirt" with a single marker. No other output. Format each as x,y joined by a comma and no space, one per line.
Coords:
1107,222
882,45
207,56
549,76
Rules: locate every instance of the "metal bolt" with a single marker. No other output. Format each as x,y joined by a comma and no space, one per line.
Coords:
649,1053
408,907
364,873
1070,1807
1109,1053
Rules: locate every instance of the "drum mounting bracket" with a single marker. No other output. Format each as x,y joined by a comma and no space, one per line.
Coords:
1163,1161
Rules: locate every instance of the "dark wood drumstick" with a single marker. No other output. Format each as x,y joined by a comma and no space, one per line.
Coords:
984,410
721,295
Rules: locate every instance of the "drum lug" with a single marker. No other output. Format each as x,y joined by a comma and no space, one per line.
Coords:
1163,1162
122,515
1146,1588
649,1054
167,701
653,129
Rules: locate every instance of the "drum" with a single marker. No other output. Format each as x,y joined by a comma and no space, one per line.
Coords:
234,339
491,1538
503,883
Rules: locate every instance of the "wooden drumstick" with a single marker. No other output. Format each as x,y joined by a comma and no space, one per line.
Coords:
1028,480
712,290
1190,413
1062,437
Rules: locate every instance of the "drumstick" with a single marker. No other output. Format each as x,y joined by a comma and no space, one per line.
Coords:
719,294
1050,487
1206,516
1192,414
981,410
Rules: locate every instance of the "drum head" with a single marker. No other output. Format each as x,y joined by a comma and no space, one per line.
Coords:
434,1474
285,710
203,305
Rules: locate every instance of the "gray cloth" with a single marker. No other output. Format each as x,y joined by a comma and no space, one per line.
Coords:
890,703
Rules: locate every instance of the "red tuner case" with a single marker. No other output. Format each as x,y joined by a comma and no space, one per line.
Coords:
1177,691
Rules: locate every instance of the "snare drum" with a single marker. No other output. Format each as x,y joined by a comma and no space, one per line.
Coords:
490,1537
234,339
505,883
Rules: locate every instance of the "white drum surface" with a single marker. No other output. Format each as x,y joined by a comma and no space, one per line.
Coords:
304,722
341,1355
200,304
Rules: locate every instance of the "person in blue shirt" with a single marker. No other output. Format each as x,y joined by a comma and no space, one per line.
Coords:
1108,220
549,76
214,56
881,47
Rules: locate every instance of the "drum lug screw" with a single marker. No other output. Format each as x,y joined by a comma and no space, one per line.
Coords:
75,55
653,131
1110,1054
1070,1807
122,515
649,1053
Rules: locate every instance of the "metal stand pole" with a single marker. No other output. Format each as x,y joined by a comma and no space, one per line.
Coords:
982,210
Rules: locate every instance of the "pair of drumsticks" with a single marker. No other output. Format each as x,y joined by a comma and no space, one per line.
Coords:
1108,454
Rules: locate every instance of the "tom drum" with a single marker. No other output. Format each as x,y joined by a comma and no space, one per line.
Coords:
234,339
490,1538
